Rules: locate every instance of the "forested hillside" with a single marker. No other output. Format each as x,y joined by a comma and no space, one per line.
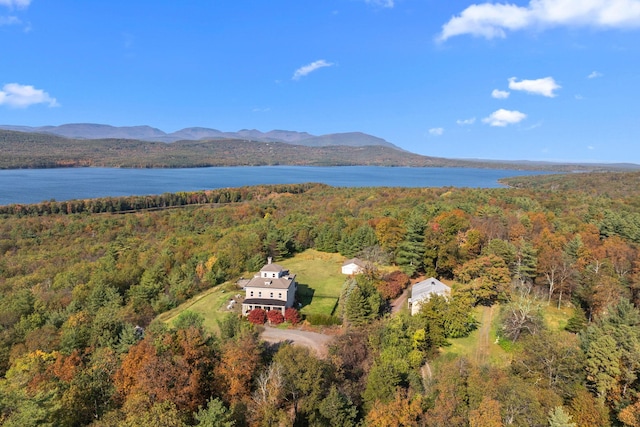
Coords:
22,150
32,150
81,285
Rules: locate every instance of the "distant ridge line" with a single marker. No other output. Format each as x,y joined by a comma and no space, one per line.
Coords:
148,133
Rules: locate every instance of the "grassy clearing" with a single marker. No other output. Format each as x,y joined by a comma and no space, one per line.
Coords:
319,280
481,345
211,304
556,318
319,284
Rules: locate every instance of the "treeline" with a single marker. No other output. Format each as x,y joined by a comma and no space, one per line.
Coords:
605,184
127,204
79,294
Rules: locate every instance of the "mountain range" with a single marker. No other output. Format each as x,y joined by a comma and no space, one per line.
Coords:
148,133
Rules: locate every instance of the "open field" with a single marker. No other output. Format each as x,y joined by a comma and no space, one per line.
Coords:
211,304
319,283
482,347
319,280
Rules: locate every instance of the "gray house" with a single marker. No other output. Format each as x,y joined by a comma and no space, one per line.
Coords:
271,289
422,291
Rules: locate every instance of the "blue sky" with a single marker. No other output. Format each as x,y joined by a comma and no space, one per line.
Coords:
554,80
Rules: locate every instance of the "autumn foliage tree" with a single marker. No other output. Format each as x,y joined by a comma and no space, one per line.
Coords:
486,278
392,284
404,410
174,366
239,360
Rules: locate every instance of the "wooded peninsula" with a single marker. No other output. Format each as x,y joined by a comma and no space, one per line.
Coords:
542,327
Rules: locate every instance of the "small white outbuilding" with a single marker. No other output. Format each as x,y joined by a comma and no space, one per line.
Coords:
353,266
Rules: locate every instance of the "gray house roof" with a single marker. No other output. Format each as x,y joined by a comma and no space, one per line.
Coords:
273,283
429,287
273,268
355,261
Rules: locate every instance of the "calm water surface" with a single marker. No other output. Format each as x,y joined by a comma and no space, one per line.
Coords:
37,185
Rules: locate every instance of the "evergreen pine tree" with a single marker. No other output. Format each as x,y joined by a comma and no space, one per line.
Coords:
411,250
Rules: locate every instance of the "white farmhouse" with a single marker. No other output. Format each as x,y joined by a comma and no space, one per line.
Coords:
422,291
272,289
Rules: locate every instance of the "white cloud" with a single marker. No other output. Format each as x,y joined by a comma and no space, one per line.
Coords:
544,87
15,3
309,68
9,20
491,20
436,131
21,96
500,94
381,3
504,117
594,74
464,122
590,147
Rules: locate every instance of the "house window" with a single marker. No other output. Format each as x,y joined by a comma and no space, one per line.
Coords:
251,293
271,295
274,275
259,294
280,295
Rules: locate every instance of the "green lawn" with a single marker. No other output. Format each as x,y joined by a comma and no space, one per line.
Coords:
319,284
211,304
319,280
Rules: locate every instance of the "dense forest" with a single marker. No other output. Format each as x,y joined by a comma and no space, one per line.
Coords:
82,283
37,150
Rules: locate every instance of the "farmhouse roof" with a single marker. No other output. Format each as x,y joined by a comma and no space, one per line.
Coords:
355,261
271,282
428,287
276,268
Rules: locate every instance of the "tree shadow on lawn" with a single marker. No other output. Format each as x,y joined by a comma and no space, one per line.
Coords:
304,295
322,303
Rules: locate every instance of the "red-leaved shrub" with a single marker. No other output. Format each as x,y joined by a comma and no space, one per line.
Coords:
292,316
393,284
275,317
257,316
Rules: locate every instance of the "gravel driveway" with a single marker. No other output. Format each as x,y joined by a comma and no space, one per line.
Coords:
314,340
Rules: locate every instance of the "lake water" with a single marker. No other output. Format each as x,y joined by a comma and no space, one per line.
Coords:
37,185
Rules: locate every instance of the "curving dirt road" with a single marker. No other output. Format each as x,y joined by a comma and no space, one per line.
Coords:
315,341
